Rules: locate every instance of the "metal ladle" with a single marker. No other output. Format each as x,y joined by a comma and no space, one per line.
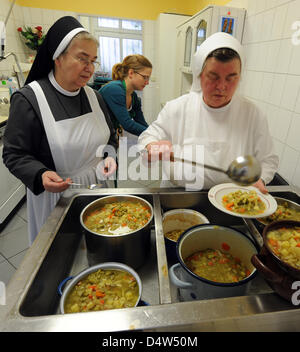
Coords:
244,170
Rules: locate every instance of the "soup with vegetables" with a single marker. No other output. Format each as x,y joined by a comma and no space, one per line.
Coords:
174,235
285,243
101,290
283,212
118,218
215,265
244,202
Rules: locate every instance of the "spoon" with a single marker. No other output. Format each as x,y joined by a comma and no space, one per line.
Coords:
91,187
244,170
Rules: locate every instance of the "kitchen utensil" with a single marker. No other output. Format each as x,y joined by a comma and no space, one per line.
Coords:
91,187
130,248
201,237
244,170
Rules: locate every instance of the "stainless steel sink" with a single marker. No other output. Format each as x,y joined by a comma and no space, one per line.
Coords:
60,251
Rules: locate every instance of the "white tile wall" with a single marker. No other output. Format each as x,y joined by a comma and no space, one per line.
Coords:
19,17
272,74
45,18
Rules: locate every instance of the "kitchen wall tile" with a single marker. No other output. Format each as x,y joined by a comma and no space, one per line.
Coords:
293,139
294,67
297,107
26,15
266,19
292,15
282,126
279,21
296,177
284,56
36,15
277,89
288,164
266,86
272,48
278,147
290,92
260,6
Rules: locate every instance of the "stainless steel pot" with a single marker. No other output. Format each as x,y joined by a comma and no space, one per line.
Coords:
84,273
131,248
201,237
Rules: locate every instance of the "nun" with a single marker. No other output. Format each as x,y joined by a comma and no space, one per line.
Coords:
212,119
59,130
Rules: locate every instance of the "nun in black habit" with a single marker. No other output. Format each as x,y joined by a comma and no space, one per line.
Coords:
58,126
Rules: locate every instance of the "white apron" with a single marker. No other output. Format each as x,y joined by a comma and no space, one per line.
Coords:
73,143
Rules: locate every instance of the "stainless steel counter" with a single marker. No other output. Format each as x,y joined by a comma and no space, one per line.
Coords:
57,252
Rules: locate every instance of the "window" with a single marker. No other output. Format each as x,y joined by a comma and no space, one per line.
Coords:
117,39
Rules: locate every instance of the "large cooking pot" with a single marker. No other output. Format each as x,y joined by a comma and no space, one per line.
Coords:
86,272
201,237
283,202
286,267
131,248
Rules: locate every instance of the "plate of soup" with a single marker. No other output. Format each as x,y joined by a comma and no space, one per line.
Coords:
246,202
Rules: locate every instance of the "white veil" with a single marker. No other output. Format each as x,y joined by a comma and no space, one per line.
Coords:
215,41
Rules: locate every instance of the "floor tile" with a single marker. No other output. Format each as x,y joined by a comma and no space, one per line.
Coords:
6,271
2,259
22,212
15,223
14,242
16,260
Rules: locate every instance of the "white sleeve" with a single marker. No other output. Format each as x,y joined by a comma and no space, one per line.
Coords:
264,150
158,130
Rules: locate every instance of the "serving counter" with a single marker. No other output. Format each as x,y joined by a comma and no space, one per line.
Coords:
32,301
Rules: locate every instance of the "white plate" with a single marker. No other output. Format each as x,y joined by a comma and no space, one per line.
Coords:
216,194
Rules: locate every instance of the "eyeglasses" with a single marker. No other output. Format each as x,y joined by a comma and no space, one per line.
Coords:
146,78
87,62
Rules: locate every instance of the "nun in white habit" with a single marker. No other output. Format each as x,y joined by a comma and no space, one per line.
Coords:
211,124
58,127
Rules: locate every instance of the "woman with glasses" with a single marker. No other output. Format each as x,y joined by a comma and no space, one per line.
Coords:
128,76
59,131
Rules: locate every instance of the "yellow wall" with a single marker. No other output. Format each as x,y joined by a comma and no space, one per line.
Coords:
139,9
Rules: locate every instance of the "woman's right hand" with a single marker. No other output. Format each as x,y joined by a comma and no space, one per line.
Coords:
54,183
160,150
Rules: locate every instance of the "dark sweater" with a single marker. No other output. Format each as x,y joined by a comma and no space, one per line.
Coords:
114,95
26,151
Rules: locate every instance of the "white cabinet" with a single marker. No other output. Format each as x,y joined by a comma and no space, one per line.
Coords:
167,55
192,32
12,190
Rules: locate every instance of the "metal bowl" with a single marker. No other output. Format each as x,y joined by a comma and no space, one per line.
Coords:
280,201
179,219
131,248
86,272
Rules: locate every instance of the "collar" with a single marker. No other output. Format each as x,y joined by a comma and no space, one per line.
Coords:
217,110
59,88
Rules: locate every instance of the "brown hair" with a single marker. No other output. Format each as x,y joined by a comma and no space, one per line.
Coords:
136,62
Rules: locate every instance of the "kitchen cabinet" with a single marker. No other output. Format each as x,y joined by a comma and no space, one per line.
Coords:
192,32
12,189
166,56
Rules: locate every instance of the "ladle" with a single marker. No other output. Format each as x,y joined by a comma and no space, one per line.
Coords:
91,187
244,170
